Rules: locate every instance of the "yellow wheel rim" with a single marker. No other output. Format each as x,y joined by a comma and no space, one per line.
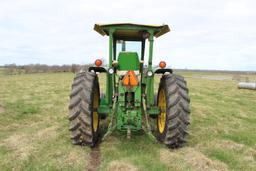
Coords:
162,105
95,115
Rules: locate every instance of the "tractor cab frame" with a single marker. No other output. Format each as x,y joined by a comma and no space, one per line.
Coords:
130,32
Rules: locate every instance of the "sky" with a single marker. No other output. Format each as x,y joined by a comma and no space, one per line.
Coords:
219,34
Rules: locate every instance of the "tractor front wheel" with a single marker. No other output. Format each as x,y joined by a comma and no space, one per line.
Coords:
83,116
173,101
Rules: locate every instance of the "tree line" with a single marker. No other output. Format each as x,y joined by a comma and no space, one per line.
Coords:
42,68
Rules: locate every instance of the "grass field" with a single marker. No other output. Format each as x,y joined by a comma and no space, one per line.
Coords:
34,129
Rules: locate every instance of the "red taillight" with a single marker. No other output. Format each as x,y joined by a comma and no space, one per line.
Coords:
130,79
162,64
98,62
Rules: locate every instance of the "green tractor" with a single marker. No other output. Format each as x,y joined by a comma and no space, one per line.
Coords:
129,101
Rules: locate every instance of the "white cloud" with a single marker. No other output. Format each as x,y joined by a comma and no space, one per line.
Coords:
205,34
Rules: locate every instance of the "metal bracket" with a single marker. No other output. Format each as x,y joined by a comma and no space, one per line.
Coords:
148,128
111,126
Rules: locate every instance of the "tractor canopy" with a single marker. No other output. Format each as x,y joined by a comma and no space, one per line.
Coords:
125,32
130,31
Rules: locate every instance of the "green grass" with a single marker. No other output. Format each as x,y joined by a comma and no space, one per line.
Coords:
34,129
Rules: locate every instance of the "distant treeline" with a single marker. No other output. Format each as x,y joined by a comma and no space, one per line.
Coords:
42,68
216,71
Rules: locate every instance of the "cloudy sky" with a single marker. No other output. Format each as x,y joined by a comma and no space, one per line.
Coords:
219,34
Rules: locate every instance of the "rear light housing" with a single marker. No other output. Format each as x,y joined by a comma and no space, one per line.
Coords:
162,64
98,62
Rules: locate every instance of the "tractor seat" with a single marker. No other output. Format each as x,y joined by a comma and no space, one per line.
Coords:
128,61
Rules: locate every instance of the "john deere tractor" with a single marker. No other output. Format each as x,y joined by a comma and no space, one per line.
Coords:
129,102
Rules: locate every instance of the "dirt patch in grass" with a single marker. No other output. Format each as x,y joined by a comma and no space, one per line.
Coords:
117,165
20,144
47,133
166,155
190,158
200,162
94,159
2,109
227,144
73,159
173,160
251,155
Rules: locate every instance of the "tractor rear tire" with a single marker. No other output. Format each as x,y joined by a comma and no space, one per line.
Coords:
83,116
173,121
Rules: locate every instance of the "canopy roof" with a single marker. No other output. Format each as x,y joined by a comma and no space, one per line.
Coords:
130,31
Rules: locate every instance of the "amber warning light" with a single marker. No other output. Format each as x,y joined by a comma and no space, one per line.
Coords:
162,64
98,62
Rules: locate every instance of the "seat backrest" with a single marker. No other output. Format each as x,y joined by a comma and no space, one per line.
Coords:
128,61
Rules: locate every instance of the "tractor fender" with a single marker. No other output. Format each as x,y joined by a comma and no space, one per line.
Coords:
162,71
97,69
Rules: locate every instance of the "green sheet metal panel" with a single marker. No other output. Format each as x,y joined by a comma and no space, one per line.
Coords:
128,61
